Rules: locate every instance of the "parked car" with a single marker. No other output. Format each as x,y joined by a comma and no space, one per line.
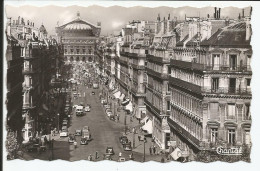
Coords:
83,141
93,93
107,157
109,112
107,106
112,117
110,151
71,138
126,141
127,147
78,132
32,147
122,139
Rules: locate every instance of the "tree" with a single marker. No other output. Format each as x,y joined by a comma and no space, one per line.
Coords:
11,145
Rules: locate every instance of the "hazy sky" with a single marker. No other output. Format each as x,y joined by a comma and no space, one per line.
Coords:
111,18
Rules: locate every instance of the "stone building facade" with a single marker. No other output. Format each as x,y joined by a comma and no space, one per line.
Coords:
79,39
210,87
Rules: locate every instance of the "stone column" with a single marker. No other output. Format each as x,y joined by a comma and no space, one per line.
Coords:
239,120
222,120
204,121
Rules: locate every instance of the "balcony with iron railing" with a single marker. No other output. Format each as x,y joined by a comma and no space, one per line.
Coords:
227,90
209,67
186,85
158,58
160,75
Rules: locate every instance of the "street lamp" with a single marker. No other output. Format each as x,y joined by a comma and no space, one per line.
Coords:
125,122
58,123
134,132
144,148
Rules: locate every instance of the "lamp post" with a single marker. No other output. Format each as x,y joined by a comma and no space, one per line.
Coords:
144,148
58,122
134,131
125,122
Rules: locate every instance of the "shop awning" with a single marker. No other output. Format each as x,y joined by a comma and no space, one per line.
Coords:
111,85
144,120
122,96
176,154
148,126
129,106
125,102
117,94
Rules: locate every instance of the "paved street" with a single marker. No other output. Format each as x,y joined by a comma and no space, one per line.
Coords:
104,132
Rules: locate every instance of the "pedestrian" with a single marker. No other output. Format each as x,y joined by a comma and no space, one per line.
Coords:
55,131
75,144
139,137
97,155
45,140
118,117
90,157
154,149
162,160
120,154
150,149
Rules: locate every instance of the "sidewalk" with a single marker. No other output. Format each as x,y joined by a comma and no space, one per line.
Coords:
139,145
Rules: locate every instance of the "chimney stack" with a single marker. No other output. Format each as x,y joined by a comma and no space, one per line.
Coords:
169,16
239,17
251,9
208,15
215,14
243,13
219,12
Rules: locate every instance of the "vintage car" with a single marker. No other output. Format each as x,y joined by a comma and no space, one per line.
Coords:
122,139
86,133
65,123
121,159
64,131
87,109
112,117
110,151
83,141
107,157
32,147
109,112
127,147
78,132
107,106
71,138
